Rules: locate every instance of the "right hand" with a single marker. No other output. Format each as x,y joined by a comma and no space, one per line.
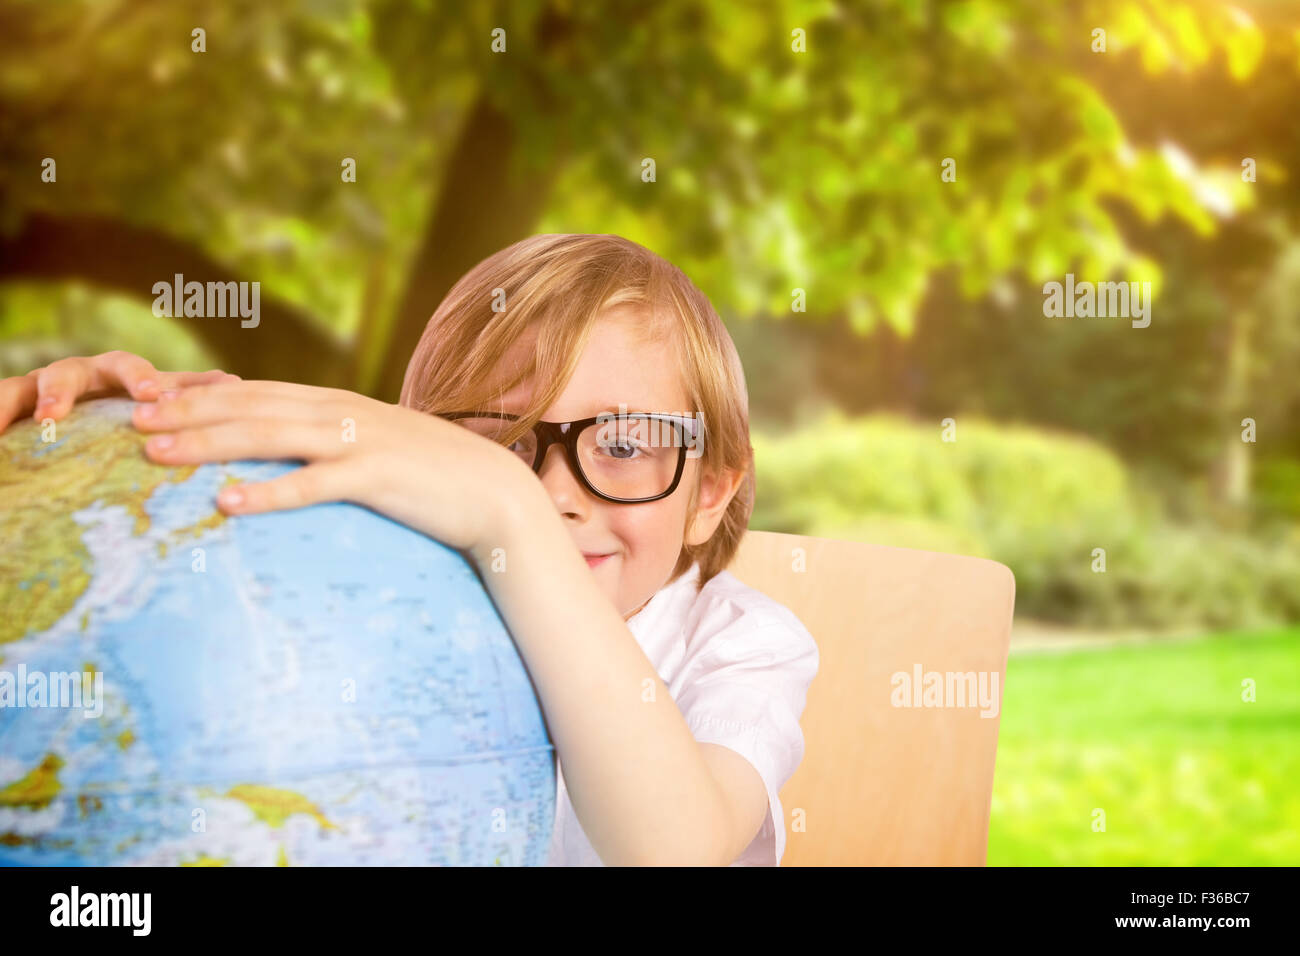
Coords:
50,392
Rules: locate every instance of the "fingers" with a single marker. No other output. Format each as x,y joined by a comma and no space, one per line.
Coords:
172,380
247,438
114,371
210,404
17,397
304,486
59,384
50,392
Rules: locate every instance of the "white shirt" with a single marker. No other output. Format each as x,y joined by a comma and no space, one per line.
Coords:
738,665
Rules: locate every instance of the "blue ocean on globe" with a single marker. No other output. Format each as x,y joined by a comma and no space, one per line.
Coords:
306,687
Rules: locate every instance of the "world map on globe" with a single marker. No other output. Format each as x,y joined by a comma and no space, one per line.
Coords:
320,686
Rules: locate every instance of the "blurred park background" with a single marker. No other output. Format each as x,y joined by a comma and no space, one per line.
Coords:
796,146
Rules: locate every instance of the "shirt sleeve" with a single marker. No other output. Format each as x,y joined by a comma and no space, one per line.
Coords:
744,686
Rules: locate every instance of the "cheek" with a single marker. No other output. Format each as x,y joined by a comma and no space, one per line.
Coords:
651,528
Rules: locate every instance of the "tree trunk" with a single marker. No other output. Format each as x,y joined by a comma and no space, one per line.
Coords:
483,206
480,209
1230,470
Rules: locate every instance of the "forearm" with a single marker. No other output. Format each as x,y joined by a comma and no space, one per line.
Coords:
638,781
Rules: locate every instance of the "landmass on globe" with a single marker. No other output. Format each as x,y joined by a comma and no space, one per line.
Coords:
318,686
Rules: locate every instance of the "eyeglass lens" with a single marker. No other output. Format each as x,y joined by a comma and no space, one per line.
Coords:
632,457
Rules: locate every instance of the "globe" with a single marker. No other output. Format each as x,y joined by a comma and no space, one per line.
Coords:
321,686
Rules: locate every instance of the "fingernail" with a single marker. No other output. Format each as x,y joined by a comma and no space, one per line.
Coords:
161,442
47,400
232,497
169,393
148,411
144,386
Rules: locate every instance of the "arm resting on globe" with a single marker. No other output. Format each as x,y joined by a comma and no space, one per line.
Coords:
645,791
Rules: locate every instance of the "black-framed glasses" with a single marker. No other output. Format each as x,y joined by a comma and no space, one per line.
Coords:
627,458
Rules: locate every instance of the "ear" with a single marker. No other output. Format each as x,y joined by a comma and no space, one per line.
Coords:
716,492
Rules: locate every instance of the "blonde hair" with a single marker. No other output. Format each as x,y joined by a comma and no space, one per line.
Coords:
557,285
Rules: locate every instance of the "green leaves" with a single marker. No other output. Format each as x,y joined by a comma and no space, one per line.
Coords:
776,169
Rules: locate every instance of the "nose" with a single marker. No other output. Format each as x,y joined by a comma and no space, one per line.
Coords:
564,487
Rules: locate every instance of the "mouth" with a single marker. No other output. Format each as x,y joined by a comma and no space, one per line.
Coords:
595,559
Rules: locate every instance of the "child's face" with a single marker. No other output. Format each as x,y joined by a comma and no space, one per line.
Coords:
643,541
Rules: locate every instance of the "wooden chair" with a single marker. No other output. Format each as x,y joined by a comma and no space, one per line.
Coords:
882,784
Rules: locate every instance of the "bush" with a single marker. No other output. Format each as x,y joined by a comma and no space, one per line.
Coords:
1037,501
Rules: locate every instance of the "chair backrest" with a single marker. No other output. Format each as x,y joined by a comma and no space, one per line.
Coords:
881,783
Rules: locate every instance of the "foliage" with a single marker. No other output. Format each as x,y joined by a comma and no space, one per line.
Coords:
776,170
988,479
1039,503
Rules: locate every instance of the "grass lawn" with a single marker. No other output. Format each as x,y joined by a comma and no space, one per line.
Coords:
1157,736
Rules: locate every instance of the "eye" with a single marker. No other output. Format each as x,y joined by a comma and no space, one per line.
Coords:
625,450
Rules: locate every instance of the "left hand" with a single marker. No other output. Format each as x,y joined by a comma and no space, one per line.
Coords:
424,471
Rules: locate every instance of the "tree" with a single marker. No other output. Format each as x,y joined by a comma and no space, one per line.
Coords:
800,146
